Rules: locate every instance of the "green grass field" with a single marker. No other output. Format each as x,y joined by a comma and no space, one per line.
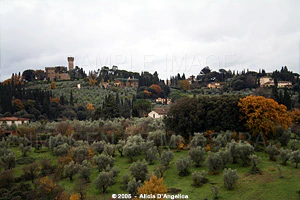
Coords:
254,187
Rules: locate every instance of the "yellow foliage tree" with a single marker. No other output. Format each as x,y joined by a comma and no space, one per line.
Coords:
92,81
153,186
262,115
184,85
53,85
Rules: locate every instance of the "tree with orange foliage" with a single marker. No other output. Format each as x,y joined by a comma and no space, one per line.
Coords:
154,186
184,85
18,104
263,115
90,107
156,88
57,100
75,197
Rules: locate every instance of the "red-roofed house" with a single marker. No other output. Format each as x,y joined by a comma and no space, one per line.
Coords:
13,120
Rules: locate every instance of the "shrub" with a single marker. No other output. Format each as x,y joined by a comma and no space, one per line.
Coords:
182,165
284,135
255,161
284,155
272,151
244,151
198,140
295,157
224,153
214,162
229,177
294,145
9,161
199,178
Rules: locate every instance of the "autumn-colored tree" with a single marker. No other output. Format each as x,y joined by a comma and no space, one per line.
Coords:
75,197
263,115
57,100
295,114
92,81
46,184
53,85
18,104
184,85
90,107
147,93
156,88
153,186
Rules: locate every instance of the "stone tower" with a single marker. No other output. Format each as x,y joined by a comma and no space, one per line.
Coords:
71,63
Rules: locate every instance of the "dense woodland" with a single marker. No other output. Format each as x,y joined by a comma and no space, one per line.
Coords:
92,142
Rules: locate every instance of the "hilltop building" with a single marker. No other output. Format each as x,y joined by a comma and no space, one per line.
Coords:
60,72
127,82
269,82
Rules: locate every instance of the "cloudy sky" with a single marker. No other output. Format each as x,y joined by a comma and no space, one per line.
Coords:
164,36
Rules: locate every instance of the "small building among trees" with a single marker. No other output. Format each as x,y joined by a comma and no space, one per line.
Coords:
13,120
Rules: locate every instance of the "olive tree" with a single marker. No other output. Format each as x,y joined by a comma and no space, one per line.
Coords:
166,157
98,146
61,149
199,178
244,151
70,170
214,162
80,153
133,146
182,165
272,151
139,170
102,161
85,170
133,186
229,177
224,153
9,160
197,155
284,155
295,157
151,154
198,140
104,180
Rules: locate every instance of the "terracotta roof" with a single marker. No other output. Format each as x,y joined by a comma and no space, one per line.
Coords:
161,111
13,119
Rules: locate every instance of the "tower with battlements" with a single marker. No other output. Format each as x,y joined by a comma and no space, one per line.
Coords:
71,63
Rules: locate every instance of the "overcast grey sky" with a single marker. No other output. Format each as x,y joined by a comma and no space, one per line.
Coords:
164,36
